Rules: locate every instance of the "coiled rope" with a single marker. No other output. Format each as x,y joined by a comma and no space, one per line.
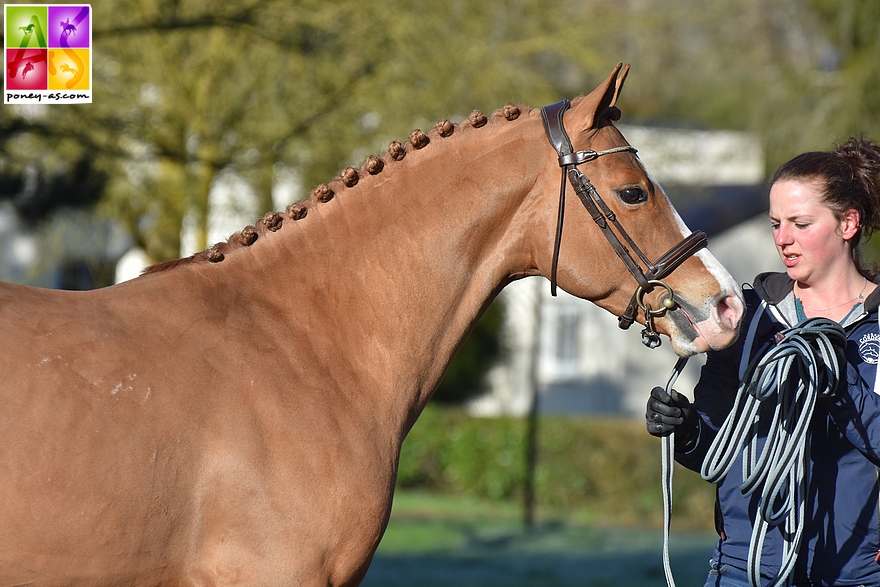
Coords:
789,373
789,376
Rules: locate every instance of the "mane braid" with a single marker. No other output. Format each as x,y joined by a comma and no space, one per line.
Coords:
348,178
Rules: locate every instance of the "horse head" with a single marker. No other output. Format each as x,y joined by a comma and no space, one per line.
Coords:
625,247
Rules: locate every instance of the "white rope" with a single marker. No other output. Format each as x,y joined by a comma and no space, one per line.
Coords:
787,376
668,448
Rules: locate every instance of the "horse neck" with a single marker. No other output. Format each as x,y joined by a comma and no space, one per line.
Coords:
391,274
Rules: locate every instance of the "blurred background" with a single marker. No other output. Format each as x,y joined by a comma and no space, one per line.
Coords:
531,466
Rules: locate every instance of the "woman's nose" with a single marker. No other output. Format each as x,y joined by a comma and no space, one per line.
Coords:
782,236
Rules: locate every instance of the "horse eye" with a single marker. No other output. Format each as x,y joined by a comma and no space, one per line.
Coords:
633,196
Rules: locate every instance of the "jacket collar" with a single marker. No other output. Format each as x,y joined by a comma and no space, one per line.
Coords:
773,287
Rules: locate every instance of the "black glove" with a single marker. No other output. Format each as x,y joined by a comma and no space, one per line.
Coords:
825,373
828,379
665,414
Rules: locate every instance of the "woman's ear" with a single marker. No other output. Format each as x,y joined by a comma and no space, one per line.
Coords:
850,223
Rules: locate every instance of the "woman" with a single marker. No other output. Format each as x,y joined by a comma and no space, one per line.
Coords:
821,205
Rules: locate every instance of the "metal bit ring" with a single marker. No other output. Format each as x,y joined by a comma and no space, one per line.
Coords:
668,301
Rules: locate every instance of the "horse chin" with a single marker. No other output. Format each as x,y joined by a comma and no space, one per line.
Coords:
713,326
684,337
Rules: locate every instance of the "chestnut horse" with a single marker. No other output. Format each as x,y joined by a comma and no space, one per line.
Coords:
236,418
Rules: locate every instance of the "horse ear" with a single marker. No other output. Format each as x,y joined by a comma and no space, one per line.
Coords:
597,103
618,83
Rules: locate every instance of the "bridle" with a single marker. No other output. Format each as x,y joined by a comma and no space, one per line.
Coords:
652,276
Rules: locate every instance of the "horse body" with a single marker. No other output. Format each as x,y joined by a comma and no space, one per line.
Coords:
239,422
154,443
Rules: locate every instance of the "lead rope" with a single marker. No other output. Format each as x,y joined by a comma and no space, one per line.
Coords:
790,375
667,454
778,470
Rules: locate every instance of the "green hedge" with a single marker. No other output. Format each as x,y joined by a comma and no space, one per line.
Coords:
606,468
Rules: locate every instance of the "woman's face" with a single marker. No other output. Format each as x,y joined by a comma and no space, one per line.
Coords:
812,242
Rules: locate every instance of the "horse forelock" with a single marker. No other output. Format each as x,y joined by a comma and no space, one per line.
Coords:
347,181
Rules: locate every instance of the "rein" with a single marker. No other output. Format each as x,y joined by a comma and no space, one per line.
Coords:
604,217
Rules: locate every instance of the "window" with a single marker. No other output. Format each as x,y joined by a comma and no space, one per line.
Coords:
560,342
567,330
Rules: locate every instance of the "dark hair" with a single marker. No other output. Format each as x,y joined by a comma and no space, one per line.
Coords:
849,177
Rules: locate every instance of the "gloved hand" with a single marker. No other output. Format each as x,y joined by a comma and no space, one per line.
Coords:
830,380
820,333
665,414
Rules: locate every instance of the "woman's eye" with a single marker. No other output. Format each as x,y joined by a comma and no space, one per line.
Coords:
633,196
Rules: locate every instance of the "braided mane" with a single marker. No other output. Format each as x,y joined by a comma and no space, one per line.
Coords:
347,178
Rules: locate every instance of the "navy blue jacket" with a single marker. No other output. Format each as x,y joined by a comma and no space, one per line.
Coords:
841,541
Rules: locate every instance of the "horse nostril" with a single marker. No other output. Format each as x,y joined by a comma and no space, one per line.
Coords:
730,311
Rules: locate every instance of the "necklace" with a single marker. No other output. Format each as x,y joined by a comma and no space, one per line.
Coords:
858,297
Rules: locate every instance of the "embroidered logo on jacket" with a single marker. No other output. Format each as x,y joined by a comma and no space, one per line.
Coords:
869,348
